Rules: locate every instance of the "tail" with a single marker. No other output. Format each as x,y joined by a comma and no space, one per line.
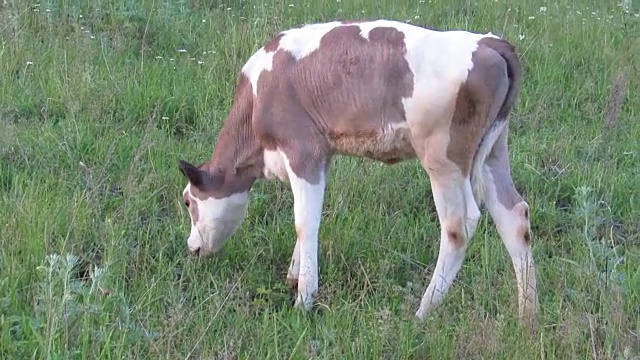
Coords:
499,124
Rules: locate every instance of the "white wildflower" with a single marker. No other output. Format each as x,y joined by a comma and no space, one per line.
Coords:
29,62
182,50
158,57
543,9
200,62
165,118
521,37
531,17
204,20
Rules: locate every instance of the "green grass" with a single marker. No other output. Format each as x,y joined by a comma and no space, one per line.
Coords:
97,105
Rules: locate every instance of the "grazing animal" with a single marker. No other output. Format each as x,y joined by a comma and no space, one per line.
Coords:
382,90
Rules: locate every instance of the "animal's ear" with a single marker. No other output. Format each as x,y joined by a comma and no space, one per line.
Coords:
199,178
195,176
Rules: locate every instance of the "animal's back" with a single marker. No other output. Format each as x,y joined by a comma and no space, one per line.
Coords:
361,85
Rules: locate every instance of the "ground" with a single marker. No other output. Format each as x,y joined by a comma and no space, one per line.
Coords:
98,104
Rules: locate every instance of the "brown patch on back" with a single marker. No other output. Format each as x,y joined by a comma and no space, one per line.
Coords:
345,97
478,102
273,44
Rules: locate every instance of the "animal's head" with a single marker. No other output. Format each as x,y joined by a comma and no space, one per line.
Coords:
216,208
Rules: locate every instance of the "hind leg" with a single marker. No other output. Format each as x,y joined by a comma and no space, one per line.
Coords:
510,213
458,215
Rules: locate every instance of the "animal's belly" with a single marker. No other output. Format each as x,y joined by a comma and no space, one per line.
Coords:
390,145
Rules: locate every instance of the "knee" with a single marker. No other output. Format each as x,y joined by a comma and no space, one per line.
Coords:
454,230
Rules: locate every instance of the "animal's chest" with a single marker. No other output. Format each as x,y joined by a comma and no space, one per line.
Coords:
274,165
389,144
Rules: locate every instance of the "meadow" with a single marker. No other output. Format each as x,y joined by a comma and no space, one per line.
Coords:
100,99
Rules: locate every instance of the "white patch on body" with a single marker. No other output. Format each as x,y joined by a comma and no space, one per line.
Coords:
274,165
301,42
260,61
218,219
396,135
308,199
439,61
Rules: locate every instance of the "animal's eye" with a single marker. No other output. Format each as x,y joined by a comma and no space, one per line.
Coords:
186,203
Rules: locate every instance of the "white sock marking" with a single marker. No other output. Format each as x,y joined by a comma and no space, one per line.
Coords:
308,199
451,202
510,225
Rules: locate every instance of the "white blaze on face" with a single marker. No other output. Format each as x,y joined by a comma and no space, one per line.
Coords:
217,220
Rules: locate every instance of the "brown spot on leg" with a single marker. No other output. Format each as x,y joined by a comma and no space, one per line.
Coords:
527,237
456,239
455,232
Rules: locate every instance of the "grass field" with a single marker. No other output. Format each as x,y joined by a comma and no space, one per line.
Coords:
100,99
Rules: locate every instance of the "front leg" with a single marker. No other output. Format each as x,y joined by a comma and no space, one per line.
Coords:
294,265
308,186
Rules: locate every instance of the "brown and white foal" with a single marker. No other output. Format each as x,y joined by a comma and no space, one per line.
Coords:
383,90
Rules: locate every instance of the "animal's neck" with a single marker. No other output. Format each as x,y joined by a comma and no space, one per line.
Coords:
237,147
237,154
